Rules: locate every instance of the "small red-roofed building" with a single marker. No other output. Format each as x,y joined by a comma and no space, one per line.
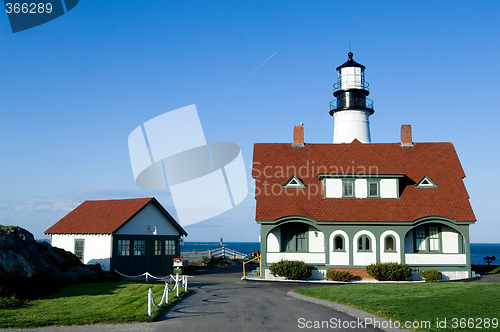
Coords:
131,236
353,203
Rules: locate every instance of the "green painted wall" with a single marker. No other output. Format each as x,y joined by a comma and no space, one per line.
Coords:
376,228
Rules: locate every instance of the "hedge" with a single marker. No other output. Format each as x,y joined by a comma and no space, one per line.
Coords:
293,270
389,271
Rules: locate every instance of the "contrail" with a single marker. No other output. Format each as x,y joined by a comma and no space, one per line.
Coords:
244,81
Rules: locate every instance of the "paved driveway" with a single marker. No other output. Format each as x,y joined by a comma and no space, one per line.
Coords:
220,301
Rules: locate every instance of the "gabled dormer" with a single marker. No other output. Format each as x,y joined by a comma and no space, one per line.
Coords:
294,182
426,182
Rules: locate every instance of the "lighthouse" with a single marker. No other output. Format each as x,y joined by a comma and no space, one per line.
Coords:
351,109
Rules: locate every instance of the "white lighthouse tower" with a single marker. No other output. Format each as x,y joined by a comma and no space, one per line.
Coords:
351,109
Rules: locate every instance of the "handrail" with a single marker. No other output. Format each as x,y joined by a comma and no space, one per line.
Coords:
221,251
226,252
354,103
260,265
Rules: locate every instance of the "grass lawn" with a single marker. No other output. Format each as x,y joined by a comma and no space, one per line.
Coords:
107,302
420,302
497,270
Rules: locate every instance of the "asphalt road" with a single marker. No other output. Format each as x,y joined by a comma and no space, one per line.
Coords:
220,301
223,302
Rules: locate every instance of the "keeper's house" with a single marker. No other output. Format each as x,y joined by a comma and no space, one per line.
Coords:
353,203
131,236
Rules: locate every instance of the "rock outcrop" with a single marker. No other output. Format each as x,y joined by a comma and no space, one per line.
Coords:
21,255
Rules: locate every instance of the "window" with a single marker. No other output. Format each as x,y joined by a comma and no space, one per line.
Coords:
157,247
390,243
338,243
294,237
373,189
420,239
169,247
301,241
79,249
139,247
348,189
433,238
123,247
364,243
428,238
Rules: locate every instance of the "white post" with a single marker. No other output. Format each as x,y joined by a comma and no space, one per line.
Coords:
150,293
186,284
177,284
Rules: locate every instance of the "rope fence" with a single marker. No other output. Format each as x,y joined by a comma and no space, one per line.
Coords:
179,281
140,276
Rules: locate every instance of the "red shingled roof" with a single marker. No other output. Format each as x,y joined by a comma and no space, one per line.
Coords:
104,217
275,163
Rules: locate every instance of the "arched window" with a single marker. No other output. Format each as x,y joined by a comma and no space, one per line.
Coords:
390,243
364,243
338,243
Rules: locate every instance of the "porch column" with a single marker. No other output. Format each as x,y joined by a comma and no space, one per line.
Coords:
264,231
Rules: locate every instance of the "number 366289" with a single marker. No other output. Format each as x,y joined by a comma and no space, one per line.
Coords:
28,8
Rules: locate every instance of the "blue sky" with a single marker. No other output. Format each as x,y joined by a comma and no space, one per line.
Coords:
72,90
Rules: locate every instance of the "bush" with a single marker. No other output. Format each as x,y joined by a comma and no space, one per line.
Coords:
10,302
389,271
339,275
430,275
214,260
292,270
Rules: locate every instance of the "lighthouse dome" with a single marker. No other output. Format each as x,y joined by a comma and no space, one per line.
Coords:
350,63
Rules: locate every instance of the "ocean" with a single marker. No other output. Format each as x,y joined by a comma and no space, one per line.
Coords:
478,250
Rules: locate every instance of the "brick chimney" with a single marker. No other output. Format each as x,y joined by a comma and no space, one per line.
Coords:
298,136
406,139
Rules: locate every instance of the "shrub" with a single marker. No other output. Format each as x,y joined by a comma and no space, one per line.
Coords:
293,270
430,275
213,260
10,302
389,271
339,275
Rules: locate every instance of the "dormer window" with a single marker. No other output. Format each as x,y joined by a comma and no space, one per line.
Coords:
360,185
294,182
426,182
